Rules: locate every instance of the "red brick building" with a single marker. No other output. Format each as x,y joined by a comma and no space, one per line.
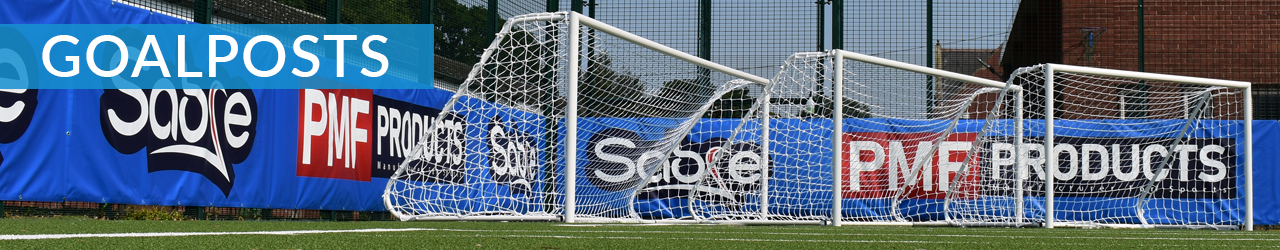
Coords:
1224,39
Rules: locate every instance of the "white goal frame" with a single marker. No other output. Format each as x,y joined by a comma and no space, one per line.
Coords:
837,136
1049,73
576,23
837,59
568,210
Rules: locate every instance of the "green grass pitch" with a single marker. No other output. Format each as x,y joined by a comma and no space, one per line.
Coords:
542,235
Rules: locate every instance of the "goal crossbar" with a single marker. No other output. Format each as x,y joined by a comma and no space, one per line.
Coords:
655,46
1148,76
919,69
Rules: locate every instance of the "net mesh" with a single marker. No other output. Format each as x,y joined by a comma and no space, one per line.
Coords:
508,151
1128,151
906,135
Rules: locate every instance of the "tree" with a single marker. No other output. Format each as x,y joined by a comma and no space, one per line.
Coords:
518,76
603,87
462,32
379,11
822,108
680,97
734,104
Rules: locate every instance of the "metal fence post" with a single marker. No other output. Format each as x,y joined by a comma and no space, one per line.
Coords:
427,11
822,29
929,54
704,38
1142,37
928,38
837,24
203,11
333,11
494,25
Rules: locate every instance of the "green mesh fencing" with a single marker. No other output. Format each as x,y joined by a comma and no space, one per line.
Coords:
1215,39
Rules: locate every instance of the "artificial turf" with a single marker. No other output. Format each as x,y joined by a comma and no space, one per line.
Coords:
543,235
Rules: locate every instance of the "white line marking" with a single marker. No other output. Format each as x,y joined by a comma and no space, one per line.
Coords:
837,233
171,234
1095,243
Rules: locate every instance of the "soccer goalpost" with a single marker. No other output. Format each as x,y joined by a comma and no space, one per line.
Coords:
1134,149
913,145
567,118
900,134
564,118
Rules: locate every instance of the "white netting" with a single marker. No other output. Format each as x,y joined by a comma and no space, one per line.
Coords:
890,115
635,105
1129,150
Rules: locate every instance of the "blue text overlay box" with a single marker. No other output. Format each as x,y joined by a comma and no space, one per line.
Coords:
232,56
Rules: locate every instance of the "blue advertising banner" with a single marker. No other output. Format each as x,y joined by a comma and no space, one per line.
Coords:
160,142
1097,174
233,148
147,134
228,56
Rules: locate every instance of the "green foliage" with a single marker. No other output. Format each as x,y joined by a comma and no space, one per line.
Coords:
462,32
680,97
520,76
152,213
316,7
822,108
734,104
607,93
604,92
365,11
379,11
249,214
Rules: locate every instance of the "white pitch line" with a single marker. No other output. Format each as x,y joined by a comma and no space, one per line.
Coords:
870,234
802,240
172,234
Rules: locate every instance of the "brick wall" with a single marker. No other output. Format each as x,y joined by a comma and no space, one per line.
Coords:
1225,39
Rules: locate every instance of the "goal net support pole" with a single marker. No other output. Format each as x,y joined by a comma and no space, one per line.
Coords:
571,120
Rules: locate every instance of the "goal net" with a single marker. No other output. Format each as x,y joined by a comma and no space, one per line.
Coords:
898,135
564,118
1120,148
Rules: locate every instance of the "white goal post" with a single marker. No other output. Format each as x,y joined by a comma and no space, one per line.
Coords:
897,126
564,118
1136,149
1058,145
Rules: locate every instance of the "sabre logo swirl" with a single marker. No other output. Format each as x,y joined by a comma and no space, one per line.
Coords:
513,157
618,159
182,127
200,131
737,170
17,106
